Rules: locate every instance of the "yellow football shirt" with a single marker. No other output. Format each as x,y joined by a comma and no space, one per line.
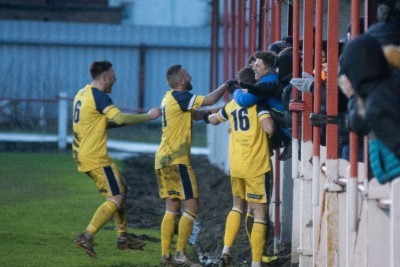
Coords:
91,110
248,146
176,140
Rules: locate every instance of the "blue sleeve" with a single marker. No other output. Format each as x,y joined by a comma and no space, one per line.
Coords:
245,99
101,99
270,77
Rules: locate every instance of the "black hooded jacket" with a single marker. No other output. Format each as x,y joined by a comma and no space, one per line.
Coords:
366,67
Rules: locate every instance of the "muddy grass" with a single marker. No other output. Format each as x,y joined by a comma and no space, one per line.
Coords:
147,210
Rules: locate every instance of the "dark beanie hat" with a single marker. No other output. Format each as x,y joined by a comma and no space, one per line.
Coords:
278,46
284,62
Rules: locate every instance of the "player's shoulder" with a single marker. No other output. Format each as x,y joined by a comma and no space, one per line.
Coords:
82,92
181,94
231,104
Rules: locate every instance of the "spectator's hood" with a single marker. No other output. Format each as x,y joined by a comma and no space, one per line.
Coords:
364,64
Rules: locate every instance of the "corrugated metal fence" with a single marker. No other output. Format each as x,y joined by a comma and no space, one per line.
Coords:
41,59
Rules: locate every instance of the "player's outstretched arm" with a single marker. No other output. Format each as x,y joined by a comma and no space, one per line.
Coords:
154,113
122,119
215,95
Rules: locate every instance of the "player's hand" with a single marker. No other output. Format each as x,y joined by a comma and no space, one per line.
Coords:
232,83
154,113
346,86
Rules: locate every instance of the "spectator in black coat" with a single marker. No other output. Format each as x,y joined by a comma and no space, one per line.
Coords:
365,73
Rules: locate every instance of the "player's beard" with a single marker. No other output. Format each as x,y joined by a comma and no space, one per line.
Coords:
189,86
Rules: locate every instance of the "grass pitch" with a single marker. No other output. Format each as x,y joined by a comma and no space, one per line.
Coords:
44,204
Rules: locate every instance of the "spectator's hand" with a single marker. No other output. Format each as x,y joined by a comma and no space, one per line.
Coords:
304,83
251,88
154,113
346,86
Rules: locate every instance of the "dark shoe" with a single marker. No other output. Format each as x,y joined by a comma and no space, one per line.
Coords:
226,261
130,241
86,244
166,261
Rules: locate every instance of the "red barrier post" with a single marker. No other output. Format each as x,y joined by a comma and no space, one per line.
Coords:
226,49
252,44
317,101
241,35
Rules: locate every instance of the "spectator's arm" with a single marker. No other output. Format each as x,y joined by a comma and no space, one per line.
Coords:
245,99
263,89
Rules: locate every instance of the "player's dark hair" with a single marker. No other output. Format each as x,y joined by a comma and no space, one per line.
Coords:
171,76
98,67
246,75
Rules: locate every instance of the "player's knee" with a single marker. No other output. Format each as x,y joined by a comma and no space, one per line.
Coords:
258,210
117,199
192,206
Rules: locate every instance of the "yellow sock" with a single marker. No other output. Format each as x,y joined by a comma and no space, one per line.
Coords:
184,230
120,219
167,232
101,216
232,227
249,224
258,240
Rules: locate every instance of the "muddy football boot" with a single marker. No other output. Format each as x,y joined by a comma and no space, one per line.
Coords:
86,244
166,261
225,261
130,241
180,259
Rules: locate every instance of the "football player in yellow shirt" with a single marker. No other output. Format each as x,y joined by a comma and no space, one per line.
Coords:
175,176
93,113
249,160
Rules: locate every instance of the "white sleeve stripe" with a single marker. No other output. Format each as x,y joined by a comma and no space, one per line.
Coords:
191,102
220,113
263,112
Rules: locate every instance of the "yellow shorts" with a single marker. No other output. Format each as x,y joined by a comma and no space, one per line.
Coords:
177,181
257,189
108,180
